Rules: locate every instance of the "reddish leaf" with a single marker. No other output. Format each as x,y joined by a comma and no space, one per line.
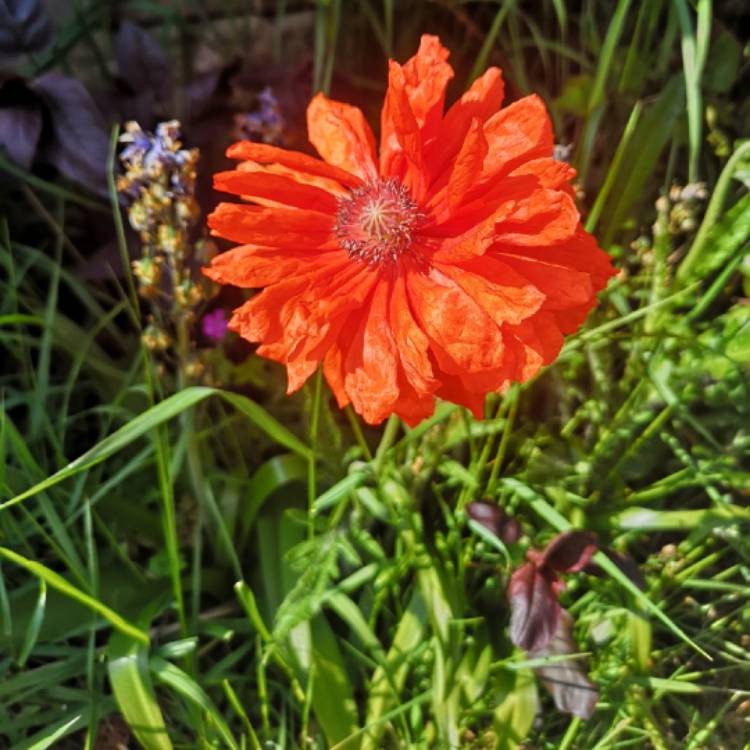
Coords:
496,520
534,610
569,552
567,681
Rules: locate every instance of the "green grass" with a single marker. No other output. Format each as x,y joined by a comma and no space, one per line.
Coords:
196,567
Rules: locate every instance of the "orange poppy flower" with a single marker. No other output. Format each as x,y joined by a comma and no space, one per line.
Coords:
448,267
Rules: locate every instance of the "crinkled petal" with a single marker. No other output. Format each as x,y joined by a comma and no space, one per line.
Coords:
516,134
275,227
581,253
550,172
411,341
412,113
267,154
504,294
466,338
541,339
342,136
561,286
481,101
253,266
427,75
281,190
468,165
545,217
371,366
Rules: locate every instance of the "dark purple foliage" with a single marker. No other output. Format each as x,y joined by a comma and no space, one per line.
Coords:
20,121
24,28
495,520
79,143
141,61
534,609
569,552
567,681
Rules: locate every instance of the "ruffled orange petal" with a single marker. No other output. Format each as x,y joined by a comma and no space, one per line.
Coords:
333,370
267,154
426,76
276,227
481,101
464,339
504,294
562,287
468,165
371,366
411,341
516,134
545,217
280,190
253,266
541,339
412,112
342,136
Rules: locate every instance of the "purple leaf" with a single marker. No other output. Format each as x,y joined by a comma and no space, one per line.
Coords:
567,681
20,121
624,562
24,27
141,61
569,552
534,609
496,520
80,143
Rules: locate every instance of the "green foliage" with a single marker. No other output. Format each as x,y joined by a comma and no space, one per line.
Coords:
225,567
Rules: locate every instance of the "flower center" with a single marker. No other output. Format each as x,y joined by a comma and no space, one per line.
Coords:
375,224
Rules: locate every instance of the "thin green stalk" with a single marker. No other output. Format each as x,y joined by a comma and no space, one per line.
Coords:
514,398
312,489
357,430
389,436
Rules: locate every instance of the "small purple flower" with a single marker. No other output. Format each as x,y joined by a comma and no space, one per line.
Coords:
214,325
266,123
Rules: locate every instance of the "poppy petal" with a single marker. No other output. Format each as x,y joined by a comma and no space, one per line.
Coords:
280,190
342,136
277,227
267,154
411,341
371,379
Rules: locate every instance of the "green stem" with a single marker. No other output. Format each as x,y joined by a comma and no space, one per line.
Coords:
389,436
314,421
357,430
505,439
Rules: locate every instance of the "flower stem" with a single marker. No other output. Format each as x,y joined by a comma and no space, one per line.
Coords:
314,421
504,440
357,430
389,437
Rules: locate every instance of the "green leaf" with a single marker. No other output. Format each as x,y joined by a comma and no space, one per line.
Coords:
32,631
56,581
134,693
172,676
514,715
155,416
723,63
